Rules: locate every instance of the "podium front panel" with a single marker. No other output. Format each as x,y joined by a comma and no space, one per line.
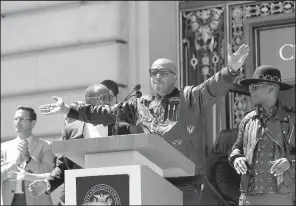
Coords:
120,185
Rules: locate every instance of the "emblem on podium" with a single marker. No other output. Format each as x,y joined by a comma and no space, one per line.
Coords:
102,190
101,194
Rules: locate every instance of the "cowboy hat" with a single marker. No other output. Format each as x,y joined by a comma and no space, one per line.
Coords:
267,73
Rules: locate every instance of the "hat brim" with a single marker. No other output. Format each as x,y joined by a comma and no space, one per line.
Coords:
247,82
240,89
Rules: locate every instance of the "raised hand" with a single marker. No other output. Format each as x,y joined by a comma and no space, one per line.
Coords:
22,147
54,108
237,59
38,187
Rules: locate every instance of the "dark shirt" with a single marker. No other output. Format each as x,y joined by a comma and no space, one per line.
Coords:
261,180
177,117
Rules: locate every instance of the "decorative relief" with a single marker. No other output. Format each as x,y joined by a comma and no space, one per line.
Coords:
202,38
238,14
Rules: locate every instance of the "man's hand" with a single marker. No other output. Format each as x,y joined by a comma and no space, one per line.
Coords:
55,108
240,165
237,59
38,187
16,176
22,147
279,166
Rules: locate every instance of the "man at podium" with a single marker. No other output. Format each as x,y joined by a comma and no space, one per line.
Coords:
170,113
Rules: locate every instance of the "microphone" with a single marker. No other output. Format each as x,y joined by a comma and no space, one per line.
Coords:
138,94
117,108
137,87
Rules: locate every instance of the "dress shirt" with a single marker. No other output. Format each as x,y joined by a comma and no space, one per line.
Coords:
92,131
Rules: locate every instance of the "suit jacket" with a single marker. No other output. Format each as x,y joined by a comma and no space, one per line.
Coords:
42,162
74,130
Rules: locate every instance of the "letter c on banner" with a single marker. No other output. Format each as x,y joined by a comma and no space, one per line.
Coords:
281,52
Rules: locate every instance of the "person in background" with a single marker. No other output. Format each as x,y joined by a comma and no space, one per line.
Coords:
96,94
28,152
114,90
264,152
221,176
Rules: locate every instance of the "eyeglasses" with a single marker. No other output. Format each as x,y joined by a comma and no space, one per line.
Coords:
270,78
253,87
103,98
21,119
161,72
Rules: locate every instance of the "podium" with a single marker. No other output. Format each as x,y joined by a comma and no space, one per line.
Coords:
123,170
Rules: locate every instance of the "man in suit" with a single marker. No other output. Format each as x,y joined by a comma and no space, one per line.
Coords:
96,94
28,152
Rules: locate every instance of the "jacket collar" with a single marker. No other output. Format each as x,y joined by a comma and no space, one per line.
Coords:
280,113
172,94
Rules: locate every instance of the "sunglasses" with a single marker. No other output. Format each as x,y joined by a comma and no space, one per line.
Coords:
161,72
22,119
103,98
254,87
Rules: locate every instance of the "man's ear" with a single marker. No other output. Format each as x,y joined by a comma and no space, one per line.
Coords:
33,123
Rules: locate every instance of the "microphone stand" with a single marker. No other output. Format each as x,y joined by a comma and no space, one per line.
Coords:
118,114
118,110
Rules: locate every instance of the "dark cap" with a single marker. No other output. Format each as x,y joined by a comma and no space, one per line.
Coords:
111,85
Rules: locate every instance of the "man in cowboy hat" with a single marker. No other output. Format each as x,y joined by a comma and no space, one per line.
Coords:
264,153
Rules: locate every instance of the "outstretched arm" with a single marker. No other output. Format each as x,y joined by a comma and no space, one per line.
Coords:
91,113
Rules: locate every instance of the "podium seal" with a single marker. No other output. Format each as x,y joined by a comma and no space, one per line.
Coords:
101,194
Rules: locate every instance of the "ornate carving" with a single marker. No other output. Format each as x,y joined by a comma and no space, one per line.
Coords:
202,42
238,14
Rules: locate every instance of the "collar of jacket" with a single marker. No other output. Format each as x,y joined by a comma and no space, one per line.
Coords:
172,94
281,114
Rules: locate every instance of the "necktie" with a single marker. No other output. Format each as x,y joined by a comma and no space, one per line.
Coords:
23,182
23,186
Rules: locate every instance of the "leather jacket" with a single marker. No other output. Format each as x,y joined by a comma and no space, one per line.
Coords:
281,129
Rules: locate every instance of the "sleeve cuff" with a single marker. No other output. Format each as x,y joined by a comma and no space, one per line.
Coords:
47,186
232,158
232,72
